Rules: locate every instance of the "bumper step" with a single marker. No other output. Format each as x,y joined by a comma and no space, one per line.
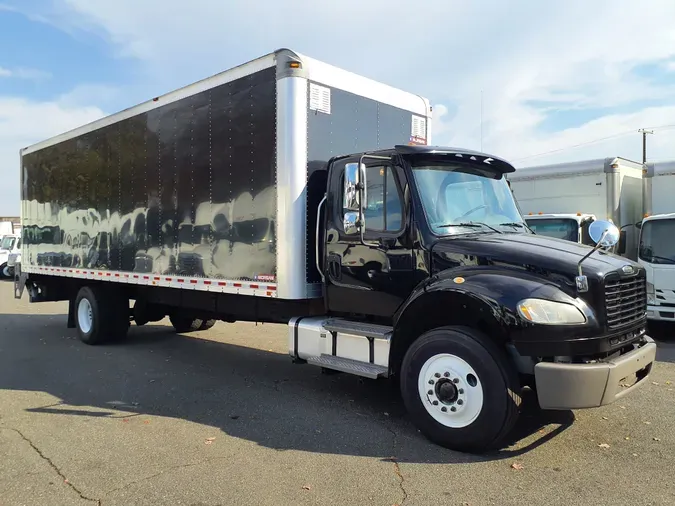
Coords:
350,366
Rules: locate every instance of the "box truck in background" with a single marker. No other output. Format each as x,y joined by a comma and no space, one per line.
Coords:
286,190
562,200
656,250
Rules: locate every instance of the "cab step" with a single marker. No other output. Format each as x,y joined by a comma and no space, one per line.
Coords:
358,328
350,366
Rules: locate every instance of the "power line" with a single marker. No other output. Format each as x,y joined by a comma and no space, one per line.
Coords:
594,141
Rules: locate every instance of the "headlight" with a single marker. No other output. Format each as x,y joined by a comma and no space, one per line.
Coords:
547,312
651,294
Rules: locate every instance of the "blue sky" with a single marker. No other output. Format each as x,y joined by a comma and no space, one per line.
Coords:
553,78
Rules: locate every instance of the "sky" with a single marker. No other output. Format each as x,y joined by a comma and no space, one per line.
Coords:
534,82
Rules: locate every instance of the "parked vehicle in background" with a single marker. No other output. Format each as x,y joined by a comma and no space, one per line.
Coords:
562,200
567,226
14,258
8,245
6,228
656,250
286,190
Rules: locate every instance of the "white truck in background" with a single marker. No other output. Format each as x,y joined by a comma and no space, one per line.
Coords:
10,244
6,228
656,251
562,200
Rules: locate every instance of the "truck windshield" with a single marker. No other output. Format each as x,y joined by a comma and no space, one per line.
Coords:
560,228
656,242
7,243
453,195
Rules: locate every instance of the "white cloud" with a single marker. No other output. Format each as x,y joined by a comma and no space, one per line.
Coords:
24,73
24,122
530,59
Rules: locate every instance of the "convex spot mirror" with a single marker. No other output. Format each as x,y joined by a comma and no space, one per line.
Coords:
604,233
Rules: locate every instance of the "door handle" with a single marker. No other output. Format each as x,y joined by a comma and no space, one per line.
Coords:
335,267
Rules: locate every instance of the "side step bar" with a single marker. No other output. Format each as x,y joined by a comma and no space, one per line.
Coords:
348,365
358,328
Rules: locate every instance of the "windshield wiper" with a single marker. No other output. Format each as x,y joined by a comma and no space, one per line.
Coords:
656,257
516,224
472,224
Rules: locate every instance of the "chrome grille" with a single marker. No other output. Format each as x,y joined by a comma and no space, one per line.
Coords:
625,301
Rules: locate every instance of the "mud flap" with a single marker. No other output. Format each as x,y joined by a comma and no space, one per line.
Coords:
20,279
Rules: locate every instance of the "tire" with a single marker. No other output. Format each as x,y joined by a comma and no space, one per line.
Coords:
100,315
207,324
183,325
480,376
4,271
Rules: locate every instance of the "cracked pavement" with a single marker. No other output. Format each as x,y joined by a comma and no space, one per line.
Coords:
224,417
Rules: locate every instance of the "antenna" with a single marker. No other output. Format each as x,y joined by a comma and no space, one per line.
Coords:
481,120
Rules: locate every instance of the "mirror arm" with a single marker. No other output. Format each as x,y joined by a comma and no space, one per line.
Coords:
595,248
581,280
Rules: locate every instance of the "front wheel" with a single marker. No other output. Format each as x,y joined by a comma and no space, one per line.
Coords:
460,389
4,271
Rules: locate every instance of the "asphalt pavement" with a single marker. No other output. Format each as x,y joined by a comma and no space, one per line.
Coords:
223,417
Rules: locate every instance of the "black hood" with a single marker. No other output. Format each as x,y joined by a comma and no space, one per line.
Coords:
545,255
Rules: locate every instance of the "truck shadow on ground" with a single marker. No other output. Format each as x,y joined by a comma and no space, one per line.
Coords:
249,393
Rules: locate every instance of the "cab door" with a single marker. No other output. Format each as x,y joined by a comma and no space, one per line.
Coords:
373,276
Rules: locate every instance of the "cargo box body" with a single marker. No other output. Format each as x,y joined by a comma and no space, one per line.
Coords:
211,187
608,188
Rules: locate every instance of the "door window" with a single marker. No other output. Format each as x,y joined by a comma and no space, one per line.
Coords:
383,209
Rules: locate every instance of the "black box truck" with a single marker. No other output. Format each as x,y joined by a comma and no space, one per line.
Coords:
286,190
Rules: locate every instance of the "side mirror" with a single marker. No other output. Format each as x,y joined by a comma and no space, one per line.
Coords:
604,233
353,197
622,243
354,186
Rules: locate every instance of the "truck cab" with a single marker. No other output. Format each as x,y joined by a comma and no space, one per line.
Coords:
432,274
656,253
571,227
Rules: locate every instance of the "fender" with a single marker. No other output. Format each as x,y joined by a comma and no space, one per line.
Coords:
485,297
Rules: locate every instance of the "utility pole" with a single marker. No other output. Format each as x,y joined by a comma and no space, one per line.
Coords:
646,181
644,143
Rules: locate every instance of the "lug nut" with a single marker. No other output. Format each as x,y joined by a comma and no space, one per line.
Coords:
435,403
460,401
437,375
453,409
446,374
431,382
444,409
461,390
430,392
456,380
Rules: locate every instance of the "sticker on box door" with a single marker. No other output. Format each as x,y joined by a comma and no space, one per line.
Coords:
319,98
264,277
418,130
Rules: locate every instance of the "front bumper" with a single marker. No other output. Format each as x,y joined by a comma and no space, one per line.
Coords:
661,313
577,386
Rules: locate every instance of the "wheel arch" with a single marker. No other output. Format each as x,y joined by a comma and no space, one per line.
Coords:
425,311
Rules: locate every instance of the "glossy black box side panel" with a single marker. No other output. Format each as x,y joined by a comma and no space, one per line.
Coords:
187,188
355,124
